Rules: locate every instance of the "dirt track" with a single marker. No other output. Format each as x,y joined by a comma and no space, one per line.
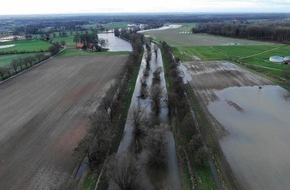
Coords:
43,115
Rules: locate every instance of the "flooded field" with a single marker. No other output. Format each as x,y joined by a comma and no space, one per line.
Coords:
114,43
257,146
254,113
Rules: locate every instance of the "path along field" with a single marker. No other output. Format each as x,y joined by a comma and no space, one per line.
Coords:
44,114
253,121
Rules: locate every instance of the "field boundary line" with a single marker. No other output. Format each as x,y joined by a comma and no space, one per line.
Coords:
261,52
30,68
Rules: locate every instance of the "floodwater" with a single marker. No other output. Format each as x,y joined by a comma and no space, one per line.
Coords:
7,46
171,26
167,178
257,146
114,43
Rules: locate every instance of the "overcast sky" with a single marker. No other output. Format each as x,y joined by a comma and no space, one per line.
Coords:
136,6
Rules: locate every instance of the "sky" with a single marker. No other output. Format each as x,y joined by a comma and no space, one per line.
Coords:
17,7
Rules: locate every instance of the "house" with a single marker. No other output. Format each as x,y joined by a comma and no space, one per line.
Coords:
80,46
92,47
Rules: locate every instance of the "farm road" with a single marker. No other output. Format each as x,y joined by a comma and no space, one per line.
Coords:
43,116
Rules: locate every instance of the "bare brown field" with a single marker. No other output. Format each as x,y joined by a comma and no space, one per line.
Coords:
44,114
209,76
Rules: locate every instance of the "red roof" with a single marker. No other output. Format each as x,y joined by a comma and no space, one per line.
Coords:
79,45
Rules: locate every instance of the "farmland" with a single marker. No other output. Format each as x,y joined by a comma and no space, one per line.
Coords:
247,118
25,45
176,37
44,114
5,60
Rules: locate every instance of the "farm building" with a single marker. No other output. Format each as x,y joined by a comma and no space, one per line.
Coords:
276,59
80,46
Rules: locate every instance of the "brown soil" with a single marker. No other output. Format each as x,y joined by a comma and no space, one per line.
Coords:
44,114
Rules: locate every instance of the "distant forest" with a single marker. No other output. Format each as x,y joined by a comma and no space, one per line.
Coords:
267,31
34,25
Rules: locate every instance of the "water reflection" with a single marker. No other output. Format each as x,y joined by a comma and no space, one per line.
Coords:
257,147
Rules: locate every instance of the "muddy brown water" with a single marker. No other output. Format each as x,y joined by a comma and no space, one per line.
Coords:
257,146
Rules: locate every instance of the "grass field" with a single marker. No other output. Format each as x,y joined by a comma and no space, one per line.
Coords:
75,52
25,45
114,25
256,55
5,60
175,37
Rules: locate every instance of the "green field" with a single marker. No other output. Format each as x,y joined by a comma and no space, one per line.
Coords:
5,60
255,55
114,25
177,37
25,45
75,52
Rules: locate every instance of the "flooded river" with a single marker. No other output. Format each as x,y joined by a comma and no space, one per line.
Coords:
114,43
257,145
168,177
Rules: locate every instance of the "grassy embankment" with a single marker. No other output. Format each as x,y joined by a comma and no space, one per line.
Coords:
203,178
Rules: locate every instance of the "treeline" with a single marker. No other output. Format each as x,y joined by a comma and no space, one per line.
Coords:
188,134
278,32
86,38
20,52
108,121
20,64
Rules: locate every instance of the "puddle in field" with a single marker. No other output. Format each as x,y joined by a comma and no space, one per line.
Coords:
114,43
7,46
257,147
171,26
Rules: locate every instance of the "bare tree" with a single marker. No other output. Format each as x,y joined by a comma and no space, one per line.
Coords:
2,72
123,171
156,96
156,145
139,122
197,146
156,51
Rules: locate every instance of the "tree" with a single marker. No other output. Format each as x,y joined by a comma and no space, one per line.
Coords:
138,122
156,145
156,96
2,72
117,32
100,135
14,64
197,146
102,42
62,43
123,171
